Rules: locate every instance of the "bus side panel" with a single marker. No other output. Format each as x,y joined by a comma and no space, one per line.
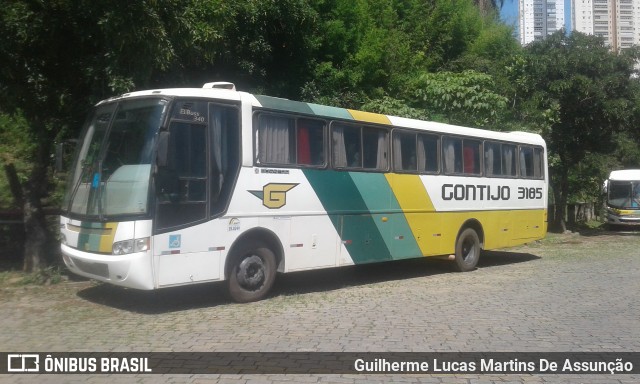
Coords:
351,217
511,211
387,215
366,215
191,254
416,206
313,243
284,203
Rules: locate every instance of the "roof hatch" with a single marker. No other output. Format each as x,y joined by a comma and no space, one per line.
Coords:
220,85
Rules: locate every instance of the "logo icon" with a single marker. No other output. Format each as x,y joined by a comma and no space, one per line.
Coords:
174,241
234,224
274,195
23,363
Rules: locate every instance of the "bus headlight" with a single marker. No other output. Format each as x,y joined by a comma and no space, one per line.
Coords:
131,246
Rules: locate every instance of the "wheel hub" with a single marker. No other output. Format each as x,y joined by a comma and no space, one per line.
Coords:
251,273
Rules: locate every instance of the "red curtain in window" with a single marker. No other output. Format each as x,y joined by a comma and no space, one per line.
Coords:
304,149
469,160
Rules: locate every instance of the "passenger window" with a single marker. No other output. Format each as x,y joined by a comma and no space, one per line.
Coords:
310,142
428,153
471,153
538,163
499,159
286,140
492,159
461,156
360,147
404,147
452,155
275,142
509,160
526,162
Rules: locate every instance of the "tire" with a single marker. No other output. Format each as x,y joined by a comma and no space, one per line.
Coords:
612,227
252,273
467,250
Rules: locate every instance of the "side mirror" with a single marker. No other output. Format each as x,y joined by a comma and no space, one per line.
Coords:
63,154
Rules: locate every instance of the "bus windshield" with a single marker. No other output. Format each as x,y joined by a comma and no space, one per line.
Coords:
624,194
112,169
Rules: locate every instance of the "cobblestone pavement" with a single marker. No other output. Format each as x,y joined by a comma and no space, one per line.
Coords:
574,293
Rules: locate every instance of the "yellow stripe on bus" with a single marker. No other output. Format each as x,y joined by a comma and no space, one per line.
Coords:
106,240
418,210
369,117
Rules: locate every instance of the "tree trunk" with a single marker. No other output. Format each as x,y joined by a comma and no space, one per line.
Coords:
561,192
35,224
14,184
36,236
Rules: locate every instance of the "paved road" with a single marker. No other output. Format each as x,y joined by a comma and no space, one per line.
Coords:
568,293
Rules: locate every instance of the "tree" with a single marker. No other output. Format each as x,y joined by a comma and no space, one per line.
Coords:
584,92
461,98
488,6
371,49
59,58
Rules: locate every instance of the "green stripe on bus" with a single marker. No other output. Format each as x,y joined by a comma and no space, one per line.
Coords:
350,215
305,108
387,214
284,104
334,112
88,241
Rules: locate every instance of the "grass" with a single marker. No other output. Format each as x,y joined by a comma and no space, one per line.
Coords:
46,276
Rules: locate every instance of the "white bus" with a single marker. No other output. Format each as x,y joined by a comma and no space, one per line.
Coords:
622,190
182,186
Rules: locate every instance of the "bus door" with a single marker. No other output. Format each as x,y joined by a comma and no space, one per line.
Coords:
198,162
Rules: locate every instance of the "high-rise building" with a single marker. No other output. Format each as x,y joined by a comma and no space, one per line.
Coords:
617,21
539,18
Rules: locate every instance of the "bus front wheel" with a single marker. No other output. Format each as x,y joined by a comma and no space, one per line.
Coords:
252,273
467,250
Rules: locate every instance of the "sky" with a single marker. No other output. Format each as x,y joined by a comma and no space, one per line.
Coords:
509,13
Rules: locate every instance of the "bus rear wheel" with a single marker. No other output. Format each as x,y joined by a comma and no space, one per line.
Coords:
252,273
467,250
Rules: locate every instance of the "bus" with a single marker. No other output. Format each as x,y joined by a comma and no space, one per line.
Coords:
622,191
180,186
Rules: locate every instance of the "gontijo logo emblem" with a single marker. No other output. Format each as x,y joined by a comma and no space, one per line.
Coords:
274,195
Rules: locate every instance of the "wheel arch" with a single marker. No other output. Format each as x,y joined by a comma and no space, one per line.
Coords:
476,226
259,235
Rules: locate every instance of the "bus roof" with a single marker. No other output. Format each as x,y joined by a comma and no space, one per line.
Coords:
226,91
625,175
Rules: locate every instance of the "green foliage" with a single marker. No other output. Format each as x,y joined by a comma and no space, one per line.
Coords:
390,106
583,90
269,45
375,48
461,98
627,152
583,95
586,178
16,145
